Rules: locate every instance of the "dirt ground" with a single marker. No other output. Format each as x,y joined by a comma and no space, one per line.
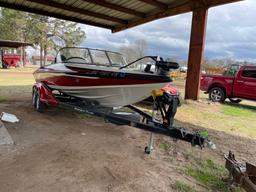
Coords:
65,151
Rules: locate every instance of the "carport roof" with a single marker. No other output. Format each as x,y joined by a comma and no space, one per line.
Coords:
116,15
13,44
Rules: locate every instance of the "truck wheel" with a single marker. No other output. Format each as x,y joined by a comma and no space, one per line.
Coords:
40,106
234,100
217,94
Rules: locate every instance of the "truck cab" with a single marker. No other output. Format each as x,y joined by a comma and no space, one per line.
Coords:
244,85
236,83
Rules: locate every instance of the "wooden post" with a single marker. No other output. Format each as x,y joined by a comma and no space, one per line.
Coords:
23,56
196,53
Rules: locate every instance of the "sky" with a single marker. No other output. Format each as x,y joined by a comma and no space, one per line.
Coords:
231,33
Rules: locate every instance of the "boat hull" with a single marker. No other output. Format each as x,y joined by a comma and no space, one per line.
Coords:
111,96
108,87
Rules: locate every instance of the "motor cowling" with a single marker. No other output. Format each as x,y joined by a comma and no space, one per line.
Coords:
165,66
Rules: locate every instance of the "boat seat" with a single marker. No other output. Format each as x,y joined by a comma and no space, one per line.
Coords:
63,58
147,69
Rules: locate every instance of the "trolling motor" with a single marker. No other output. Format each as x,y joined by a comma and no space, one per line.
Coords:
163,67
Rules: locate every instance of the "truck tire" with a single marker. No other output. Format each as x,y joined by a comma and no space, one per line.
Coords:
234,100
216,94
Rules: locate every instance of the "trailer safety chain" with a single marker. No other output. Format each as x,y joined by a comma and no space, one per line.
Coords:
183,132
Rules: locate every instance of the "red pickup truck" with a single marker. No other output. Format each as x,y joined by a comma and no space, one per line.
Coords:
238,82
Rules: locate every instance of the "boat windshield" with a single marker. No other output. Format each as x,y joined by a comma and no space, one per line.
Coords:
90,56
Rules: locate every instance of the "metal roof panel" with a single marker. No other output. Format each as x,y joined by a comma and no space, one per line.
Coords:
115,14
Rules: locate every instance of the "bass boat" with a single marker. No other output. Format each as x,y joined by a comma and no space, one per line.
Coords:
104,77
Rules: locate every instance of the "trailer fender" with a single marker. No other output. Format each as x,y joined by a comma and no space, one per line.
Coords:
45,94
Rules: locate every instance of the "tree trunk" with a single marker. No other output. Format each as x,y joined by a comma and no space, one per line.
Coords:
45,55
23,56
41,55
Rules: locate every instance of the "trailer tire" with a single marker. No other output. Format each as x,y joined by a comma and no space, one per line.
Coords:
217,94
40,106
147,150
34,95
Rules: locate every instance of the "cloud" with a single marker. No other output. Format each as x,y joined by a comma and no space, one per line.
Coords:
230,33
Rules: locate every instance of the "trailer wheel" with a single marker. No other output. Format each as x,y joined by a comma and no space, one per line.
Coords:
216,94
40,106
147,150
34,95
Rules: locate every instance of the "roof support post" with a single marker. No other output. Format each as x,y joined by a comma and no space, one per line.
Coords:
196,53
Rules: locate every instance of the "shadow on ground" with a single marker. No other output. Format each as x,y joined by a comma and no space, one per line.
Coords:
241,105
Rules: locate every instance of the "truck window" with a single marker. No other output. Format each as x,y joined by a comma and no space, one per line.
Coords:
249,72
232,70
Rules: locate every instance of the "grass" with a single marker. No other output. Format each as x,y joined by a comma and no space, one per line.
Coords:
238,111
2,99
16,82
183,187
16,79
235,119
210,174
164,146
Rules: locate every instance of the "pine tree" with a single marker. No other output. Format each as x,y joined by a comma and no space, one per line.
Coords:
36,29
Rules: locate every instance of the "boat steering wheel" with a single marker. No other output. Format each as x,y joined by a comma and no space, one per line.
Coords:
86,60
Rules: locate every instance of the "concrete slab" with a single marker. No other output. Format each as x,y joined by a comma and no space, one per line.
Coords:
5,138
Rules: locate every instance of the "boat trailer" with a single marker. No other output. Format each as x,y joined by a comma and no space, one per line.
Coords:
241,174
163,101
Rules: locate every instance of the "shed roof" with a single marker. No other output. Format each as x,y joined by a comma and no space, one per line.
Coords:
116,15
13,44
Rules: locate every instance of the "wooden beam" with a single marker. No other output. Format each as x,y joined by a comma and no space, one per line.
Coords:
46,13
155,3
196,53
116,7
213,3
195,4
175,10
15,44
78,10
185,7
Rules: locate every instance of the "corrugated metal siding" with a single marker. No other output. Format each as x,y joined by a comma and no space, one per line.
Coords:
131,4
134,4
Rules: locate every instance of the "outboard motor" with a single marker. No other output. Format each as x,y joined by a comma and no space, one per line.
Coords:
163,67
